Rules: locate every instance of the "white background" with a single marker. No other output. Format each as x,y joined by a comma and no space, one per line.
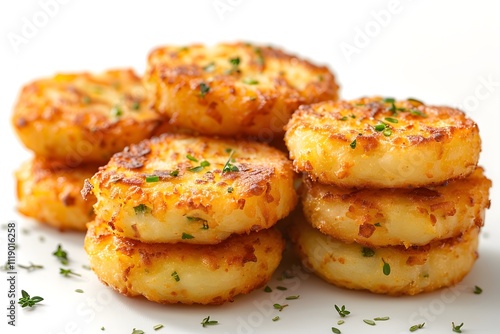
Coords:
445,52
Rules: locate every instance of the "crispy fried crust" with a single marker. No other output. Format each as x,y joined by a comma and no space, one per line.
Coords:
337,143
50,193
413,270
200,204
249,90
184,273
381,217
77,118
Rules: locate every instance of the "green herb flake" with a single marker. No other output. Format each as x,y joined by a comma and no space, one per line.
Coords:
336,330
413,100
377,224
137,331
204,89
386,269
27,301
389,100
230,189
387,132
279,307
417,327
190,157
340,322
369,322
292,297
353,144
116,111
276,318
250,81
196,169
381,318
67,272
102,328
268,289
157,327
186,236
282,288
135,106
79,290
204,163
174,173
141,209
31,267
207,322
342,311
380,127
175,276
477,290
152,178
391,120
416,112
86,267
367,252
61,255
229,166
457,328
209,67
345,118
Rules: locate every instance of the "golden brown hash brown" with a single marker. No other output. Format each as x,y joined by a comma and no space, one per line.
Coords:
383,143
184,273
409,217
178,188
50,192
393,270
83,117
236,89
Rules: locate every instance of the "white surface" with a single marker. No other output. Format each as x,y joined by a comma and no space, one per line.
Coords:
440,52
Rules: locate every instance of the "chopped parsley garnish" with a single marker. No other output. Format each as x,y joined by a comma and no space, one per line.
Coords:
282,288
391,119
379,127
79,290
340,322
369,322
209,67
31,267
389,100
292,297
135,106
235,62
199,168
477,290
417,327
230,189
276,318
381,318
116,111
204,89
250,81
410,99
141,208
190,157
367,252
386,269
152,178
207,322
137,331
27,300
229,166
336,330
457,328
416,112
157,327
342,311
61,255
353,144
174,173
387,132
279,307
186,236
67,272
175,276
345,118
268,289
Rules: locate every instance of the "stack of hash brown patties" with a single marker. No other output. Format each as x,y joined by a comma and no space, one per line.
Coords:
73,123
393,201
188,216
